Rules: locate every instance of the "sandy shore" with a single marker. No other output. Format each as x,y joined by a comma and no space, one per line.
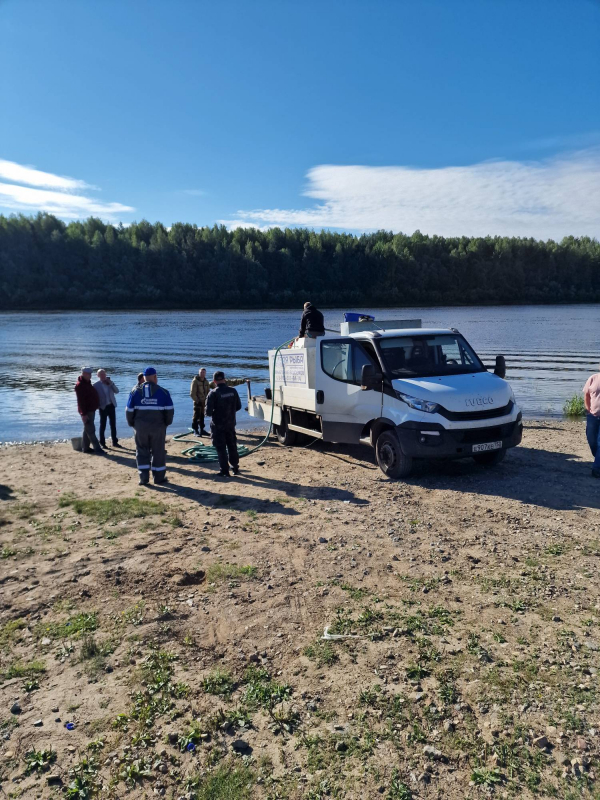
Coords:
193,614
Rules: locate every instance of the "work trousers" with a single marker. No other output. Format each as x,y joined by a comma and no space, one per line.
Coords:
88,437
592,432
198,421
108,413
150,453
225,442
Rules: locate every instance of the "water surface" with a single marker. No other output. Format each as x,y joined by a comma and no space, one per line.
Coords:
550,351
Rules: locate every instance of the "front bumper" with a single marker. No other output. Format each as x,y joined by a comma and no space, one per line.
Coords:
432,440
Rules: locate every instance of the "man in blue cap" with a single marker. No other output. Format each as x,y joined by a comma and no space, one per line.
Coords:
149,412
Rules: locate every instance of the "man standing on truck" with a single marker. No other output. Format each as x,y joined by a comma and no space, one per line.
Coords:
222,404
591,398
312,323
150,412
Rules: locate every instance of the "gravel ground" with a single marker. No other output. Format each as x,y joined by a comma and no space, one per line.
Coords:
180,628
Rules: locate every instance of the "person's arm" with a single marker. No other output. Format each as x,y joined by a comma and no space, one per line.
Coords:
130,409
235,381
192,392
238,402
210,404
169,411
113,387
587,397
302,325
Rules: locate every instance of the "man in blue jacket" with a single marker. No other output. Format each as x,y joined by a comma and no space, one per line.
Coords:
149,412
221,404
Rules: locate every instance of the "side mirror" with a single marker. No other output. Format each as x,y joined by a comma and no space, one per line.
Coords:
500,368
369,376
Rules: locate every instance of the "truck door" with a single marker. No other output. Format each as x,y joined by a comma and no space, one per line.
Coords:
345,408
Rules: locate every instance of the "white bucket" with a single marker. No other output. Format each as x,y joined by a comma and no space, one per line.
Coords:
77,443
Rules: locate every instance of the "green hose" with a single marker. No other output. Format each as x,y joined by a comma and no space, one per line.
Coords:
205,452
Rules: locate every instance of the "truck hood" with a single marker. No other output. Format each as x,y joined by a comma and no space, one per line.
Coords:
475,391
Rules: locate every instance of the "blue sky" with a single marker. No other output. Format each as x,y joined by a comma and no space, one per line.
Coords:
452,116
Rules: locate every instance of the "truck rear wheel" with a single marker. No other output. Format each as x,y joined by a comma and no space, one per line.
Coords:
390,458
284,435
490,459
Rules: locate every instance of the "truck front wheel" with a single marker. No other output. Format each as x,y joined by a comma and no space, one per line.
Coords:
390,458
490,459
284,435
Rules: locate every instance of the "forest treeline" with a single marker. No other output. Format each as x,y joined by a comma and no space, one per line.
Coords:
48,264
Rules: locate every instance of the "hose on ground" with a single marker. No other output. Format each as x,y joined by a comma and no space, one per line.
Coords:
205,452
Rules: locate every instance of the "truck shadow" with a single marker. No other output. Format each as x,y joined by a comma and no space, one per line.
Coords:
546,478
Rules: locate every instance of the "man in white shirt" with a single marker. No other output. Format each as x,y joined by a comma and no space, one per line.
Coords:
108,403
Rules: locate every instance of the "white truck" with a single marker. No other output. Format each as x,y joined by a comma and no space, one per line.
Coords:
407,391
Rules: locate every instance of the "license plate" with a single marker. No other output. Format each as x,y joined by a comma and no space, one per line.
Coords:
481,448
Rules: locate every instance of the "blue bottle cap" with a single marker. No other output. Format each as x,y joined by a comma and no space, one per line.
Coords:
191,747
70,726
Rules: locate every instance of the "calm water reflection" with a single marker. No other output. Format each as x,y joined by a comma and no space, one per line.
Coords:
550,351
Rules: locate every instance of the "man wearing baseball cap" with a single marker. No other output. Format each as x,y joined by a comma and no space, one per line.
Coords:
87,405
221,404
149,412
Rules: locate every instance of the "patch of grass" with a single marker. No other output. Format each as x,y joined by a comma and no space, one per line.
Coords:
9,631
323,653
24,510
112,510
262,691
227,782
555,549
486,777
135,614
219,683
84,780
7,552
574,406
217,573
73,628
39,760
355,593
398,790
27,670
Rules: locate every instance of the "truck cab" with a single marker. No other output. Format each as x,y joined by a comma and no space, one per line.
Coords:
407,391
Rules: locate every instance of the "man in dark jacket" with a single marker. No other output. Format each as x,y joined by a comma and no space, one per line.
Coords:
312,323
149,412
221,404
87,405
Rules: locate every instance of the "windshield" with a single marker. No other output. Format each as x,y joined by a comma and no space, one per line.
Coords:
421,356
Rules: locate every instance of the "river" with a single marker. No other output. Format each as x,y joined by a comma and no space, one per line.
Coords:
550,351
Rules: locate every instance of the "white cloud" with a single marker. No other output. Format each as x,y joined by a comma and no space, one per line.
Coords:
55,194
544,199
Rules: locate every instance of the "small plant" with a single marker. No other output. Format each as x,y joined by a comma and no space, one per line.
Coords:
486,777
31,685
398,790
73,628
39,760
219,683
217,573
574,406
323,653
416,672
165,612
555,549
261,691
195,734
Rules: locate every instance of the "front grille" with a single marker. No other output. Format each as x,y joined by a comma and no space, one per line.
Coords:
486,413
479,435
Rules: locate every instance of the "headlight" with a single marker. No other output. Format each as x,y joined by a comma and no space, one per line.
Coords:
420,405
513,399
